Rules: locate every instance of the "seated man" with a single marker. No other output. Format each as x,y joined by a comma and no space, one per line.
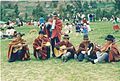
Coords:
41,46
65,49
109,52
18,49
85,50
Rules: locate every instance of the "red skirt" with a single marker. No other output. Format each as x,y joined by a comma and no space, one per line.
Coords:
116,27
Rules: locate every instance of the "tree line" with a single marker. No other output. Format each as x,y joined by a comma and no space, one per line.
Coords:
71,8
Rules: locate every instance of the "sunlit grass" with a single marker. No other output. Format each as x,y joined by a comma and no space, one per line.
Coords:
54,69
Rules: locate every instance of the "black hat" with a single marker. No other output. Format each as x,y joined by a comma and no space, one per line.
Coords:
110,38
41,32
21,34
66,36
55,14
85,37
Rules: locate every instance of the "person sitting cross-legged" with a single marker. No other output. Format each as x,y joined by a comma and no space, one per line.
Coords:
41,46
85,50
18,49
64,49
109,52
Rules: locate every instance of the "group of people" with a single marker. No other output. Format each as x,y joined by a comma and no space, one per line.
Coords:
50,37
9,33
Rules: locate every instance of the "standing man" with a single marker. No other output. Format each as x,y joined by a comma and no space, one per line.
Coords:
56,31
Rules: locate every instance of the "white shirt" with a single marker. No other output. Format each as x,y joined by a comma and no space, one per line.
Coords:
8,32
1,34
12,31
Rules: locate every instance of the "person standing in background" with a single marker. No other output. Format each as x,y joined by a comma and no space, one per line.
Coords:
56,31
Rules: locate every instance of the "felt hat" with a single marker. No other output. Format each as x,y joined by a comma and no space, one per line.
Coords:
66,36
85,37
110,38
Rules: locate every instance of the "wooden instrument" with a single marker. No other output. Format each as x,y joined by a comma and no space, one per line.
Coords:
18,47
61,51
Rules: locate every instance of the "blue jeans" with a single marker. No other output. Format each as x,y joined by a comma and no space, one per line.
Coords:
81,56
103,56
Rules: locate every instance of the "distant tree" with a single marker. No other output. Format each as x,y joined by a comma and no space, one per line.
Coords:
78,5
2,13
26,16
85,6
117,4
55,3
16,11
98,14
10,6
93,4
38,12
117,8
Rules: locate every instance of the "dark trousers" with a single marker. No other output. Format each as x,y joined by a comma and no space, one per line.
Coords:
53,42
17,56
81,57
42,55
48,52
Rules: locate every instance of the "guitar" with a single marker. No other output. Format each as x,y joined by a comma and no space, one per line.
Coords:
18,47
61,51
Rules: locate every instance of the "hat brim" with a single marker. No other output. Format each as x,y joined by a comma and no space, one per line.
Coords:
109,39
66,37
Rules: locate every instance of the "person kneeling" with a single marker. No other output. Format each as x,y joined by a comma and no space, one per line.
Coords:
41,46
64,49
18,49
109,52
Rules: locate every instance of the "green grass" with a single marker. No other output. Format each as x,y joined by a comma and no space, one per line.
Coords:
55,69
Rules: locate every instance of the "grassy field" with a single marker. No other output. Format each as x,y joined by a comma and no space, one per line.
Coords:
55,69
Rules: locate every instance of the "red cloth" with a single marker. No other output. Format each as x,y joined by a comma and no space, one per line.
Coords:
114,54
58,27
116,27
85,21
11,47
37,43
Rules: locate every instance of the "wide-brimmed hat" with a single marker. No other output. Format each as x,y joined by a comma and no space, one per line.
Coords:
66,36
85,37
110,38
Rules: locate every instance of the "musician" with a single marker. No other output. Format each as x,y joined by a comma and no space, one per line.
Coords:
56,31
109,52
18,49
41,46
68,46
84,47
